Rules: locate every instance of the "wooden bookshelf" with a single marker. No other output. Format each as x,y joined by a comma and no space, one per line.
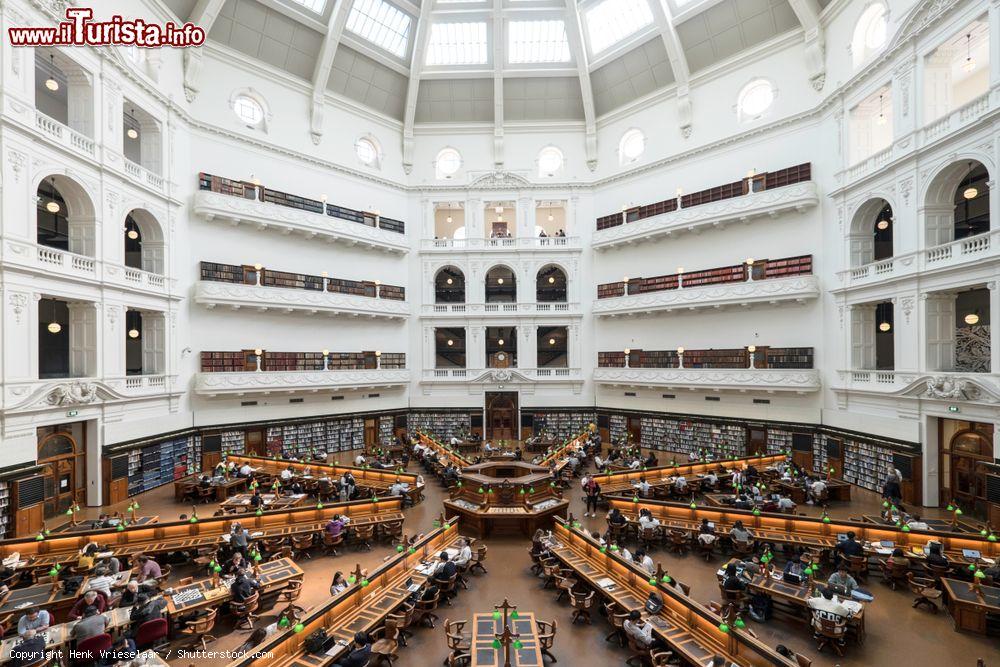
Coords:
764,357
246,274
736,273
228,362
238,362
787,266
789,176
786,357
227,186
611,359
610,290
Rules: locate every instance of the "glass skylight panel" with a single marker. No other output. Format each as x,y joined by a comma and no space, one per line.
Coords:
457,44
611,21
381,24
312,5
537,42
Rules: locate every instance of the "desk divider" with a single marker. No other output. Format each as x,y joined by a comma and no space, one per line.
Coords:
453,456
275,466
688,469
561,451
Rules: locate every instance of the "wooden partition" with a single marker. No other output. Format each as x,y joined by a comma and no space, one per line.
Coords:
562,451
184,534
365,477
691,629
620,481
805,531
359,606
443,452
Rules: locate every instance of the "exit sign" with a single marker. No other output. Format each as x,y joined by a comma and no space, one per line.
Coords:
953,408
72,413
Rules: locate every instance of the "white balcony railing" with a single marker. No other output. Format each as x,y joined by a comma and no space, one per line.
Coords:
768,203
64,135
62,393
500,309
270,382
507,376
947,386
549,243
66,261
736,379
955,254
233,295
775,290
143,175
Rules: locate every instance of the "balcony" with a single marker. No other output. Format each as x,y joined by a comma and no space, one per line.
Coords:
738,379
964,253
464,310
60,394
943,386
288,382
505,376
955,119
64,135
142,175
547,244
253,297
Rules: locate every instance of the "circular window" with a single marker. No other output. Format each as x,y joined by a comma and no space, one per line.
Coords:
632,145
248,110
550,160
755,98
366,150
448,162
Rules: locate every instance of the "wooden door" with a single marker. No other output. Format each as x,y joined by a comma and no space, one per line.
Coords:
970,450
254,442
63,464
756,441
501,416
371,433
634,426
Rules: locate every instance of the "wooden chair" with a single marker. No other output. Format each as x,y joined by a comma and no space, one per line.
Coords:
546,638
830,633
641,655
164,575
206,494
425,609
649,537
707,551
189,493
565,583
477,560
185,581
446,589
738,598
581,604
385,643
463,570
938,572
283,552
198,629
404,618
291,591
802,660
679,541
391,531
661,658
301,544
363,536
458,643
857,566
550,568
536,562
330,543
741,548
926,591
244,611
893,573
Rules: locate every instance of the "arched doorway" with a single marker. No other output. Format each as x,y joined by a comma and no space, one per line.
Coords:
501,415
969,447
63,459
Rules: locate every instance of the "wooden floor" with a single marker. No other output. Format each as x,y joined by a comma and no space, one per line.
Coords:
896,632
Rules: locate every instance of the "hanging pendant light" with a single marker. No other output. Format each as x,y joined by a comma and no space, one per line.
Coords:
133,330
970,192
132,132
972,318
551,217
449,281
969,63
448,219
882,225
54,327
52,206
500,341
552,341
132,234
552,279
881,111
51,82
884,327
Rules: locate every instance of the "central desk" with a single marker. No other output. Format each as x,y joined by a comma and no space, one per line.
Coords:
484,631
971,610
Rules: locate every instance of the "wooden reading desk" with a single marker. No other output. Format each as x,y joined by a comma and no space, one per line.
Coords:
444,453
84,526
618,482
484,631
271,575
224,486
240,503
972,610
60,634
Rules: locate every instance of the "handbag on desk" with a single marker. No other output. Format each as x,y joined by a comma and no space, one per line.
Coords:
316,642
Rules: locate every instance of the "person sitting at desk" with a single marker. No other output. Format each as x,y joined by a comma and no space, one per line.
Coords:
487,447
935,557
642,559
221,468
294,488
752,475
706,533
205,482
785,504
711,479
148,570
842,579
464,553
359,652
146,609
234,564
102,581
339,583
245,470
239,539
815,491
398,488
243,587
738,533
732,581
616,518
256,500
635,464
91,625
641,631
827,607
89,599
850,546
33,619
130,596
795,566
287,474
643,487
692,456
334,526
680,484
445,569
359,460
915,523
647,520
29,651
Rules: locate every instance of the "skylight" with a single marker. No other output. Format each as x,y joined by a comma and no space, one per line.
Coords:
312,5
381,24
537,42
611,21
457,44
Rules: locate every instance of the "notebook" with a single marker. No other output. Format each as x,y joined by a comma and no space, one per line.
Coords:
606,583
971,554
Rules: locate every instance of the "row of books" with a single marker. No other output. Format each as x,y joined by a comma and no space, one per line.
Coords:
247,275
246,360
764,357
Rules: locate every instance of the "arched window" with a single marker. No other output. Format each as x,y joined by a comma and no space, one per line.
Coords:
501,285
631,146
870,34
144,247
368,151
755,99
447,164
550,285
972,202
449,286
249,109
550,161
65,216
957,203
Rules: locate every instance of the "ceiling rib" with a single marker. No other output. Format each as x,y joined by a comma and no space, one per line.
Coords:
807,11
204,14
420,40
678,63
321,73
574,33
498,62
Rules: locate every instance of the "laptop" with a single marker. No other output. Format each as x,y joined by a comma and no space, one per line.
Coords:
971,554
841,537
606,583
412,587
792,578
887,544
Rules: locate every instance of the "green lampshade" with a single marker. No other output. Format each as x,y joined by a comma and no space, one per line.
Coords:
399,549
979,574
374,499
482,490
885,503
517,643
826,519
458,484
807,571
991,538
756,512
635,499
958,511
614,547
604,550
298,627
982,533
283,623
212,564
496,615
576,524
514,614
257,557
194,519
739,623
69,512
412,551
217,569
950,508
53,572
724,627
693,505
261,512
352,579
522,490
905,529
319,505
652,581
120,527
48,531
364,582
972,567
531,489
496,643
666,579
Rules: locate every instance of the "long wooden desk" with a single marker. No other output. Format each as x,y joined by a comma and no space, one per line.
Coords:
934,525
183,535
52,599
357,608
443,452
971,610
485,630
691,630
377,479
270,502
626,480
60,634
224,487
806,531
836,489
271,575
562,452
84,526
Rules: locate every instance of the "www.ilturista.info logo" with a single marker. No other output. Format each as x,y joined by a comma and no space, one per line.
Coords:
79,29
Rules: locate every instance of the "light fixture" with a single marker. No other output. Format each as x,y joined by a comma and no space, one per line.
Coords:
51,82
324,274
254,180
133,333
628,351
882,225
52,206
970,192
750,261
378,353
132,234
751,173
132,132
448,219
499,281
449,281
969,63
881,111
498,209
680,350
751,349
551,217
552,279
680,269
258,351
500,341
323,198
450,342
884,327
972,318
552,341
54,327
680,192
257,267
326,353
625,279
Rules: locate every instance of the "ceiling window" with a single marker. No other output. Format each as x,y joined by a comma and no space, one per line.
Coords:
248,110
611,21
457,44
550,161
537,42
448,162
631,146
755,99
381,24
312,5
870,34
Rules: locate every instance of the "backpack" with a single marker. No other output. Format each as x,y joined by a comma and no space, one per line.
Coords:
316,642
654,603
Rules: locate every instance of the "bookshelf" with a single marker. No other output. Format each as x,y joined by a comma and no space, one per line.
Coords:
819,454
246,361
654,284
778,441
386,429
227,362
786,267
301,440
245,274
653,359
608,221
649,210
222,273
291,201
714,194
764,357
160,463
610,290
787,357
6,515
684,436
617,427
227,186
440,425
736,273
611,359
732,358
562,425
788,176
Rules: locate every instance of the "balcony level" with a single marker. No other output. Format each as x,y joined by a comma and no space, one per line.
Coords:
465,310
750,283
477,378
63,393
946,386
238,202
529,244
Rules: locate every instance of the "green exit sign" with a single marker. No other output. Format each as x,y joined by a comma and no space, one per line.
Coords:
953,408
72,413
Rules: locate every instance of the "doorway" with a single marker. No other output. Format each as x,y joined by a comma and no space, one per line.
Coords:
968,446
62,455
501,415
756,441
254,442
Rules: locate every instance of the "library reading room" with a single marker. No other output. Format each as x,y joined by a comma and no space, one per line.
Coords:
499,333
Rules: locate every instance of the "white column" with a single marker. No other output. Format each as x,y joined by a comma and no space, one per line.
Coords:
525,218
994,314
113,340
20,338
994,20
906,337
573,355
80,97
931,473
475,347
904,100
474,219
95,445
83,339
527,346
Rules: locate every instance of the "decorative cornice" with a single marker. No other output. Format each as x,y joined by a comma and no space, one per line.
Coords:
212,294
797,288
46,395
267,382
740,379
981,388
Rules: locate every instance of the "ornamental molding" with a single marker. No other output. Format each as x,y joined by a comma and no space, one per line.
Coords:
500,180
742,379
34,396
212,294
946,387
264,216
266,382
798,288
